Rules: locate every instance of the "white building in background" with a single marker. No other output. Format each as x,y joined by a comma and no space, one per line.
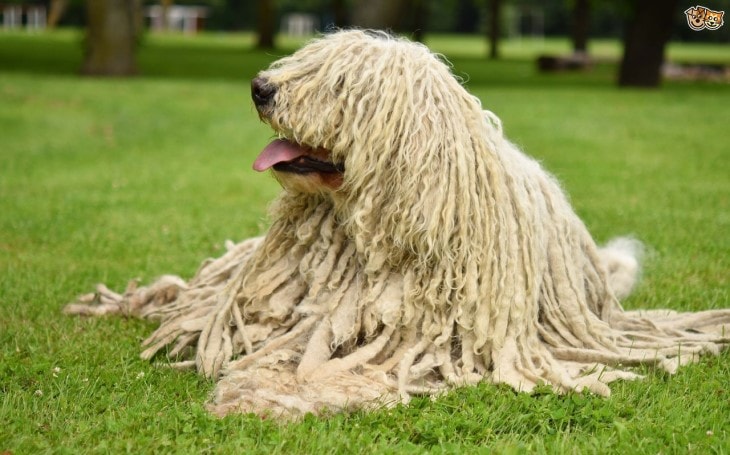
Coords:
299,24
35,17
186,19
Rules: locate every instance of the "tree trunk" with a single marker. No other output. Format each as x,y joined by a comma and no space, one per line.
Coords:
111,37
266,24
339,11
419,10
644,43
581,26
493,32
56,11
380,14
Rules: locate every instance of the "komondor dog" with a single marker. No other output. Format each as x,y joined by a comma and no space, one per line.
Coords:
414,249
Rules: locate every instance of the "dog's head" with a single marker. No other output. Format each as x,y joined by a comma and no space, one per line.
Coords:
381,125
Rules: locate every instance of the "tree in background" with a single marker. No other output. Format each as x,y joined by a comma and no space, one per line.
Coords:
380,14
580,26
113,27
417,11
645,41
339,13
265,24
493,27
410,16
56,10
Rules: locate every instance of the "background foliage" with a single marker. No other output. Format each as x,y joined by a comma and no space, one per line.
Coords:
460,16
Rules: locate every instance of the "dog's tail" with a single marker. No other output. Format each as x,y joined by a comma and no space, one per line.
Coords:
622,258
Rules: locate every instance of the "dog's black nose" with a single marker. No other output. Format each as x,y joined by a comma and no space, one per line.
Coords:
261,91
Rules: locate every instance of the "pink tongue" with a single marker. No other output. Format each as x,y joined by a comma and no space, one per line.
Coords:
278,151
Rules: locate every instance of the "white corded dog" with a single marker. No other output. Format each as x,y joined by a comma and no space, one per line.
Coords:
413,249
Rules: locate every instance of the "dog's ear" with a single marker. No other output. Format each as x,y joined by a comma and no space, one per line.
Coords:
416,178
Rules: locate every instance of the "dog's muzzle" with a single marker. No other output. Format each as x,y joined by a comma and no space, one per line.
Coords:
262,93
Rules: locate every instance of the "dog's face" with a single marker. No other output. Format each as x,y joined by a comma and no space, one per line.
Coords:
339,99
301,97
380,126
696,18
298,165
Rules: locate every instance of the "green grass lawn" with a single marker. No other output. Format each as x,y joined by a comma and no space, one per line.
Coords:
108,180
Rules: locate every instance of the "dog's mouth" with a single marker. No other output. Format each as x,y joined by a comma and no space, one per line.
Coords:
286,156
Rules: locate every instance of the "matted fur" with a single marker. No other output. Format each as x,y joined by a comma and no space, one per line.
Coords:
447,257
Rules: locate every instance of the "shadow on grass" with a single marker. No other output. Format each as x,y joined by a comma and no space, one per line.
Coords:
63,56
235,59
